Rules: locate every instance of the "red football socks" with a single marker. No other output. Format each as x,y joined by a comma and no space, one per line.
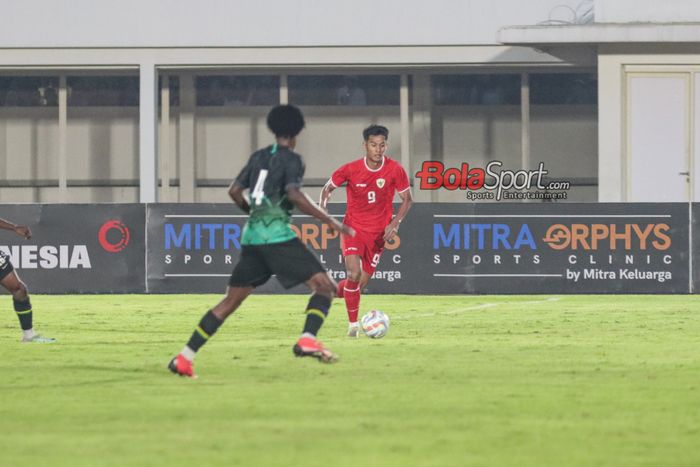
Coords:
339,292
351,293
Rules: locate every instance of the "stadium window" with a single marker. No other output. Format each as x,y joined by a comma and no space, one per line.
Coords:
29,91
563,89
103,91
475,118
174,85
344,90
237,91
103,137
491,89
564,129
29,136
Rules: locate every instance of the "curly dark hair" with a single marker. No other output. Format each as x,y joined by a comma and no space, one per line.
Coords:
285,121
375,130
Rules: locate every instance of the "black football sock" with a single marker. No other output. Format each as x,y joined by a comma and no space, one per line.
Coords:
207,327
23,308
316,313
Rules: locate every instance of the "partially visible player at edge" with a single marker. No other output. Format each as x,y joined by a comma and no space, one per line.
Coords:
20,296
269,246
371,184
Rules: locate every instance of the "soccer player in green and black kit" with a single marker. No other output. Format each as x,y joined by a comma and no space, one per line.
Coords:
269,246
12,283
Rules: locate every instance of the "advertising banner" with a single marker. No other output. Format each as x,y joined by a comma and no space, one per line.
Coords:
512,248
194,247
556,248
78,248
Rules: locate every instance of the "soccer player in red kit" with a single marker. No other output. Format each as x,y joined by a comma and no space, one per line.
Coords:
371,184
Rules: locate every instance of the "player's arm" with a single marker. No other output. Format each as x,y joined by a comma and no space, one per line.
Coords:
326,194
21,230
307,206
239,185
338,177
235,191
393,227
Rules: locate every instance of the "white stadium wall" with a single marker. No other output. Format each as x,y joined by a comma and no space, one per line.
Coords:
111,153
266,23
627,129
646,11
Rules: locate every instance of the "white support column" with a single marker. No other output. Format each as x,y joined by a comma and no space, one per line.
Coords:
62,139
611,143
422,133
164,145
186,138
148,131
284,89
405,125
3,149
694,162
525,120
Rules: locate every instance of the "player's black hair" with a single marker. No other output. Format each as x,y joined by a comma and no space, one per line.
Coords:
285,121
375,130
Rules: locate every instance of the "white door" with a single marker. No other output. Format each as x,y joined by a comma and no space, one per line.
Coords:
658,137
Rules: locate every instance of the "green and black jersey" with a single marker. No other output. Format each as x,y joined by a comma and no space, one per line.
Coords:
268,174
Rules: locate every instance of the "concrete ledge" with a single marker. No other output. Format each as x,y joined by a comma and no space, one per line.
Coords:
600,33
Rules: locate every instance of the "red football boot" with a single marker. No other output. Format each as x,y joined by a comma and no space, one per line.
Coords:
310,347
181,366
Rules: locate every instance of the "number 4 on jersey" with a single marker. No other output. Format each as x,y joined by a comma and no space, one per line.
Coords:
258,193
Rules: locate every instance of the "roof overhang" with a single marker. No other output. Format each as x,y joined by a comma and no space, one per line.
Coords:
600,33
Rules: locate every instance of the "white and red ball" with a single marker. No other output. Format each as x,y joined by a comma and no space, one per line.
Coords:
375,324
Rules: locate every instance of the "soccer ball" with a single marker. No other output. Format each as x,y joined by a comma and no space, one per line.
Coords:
375,324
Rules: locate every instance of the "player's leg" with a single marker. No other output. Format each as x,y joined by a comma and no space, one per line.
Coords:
350,246
23,307
322,292
249,273
323,289
207,327
352,292
371,252
294,264
364,280
353,249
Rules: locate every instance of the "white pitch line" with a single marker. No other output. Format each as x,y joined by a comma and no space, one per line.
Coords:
498,275
549,216
481,306
226,216
196,275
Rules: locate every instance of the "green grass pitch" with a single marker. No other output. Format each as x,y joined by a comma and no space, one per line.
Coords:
458,381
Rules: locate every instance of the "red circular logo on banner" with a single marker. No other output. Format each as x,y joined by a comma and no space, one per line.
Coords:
124,236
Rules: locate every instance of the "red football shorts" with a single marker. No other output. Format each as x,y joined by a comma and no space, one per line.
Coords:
368,246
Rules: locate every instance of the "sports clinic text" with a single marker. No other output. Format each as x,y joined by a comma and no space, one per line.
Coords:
590,238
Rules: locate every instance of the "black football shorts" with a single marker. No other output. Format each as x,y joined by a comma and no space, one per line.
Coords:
5,265
290,261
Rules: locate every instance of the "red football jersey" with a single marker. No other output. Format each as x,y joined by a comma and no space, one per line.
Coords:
370,192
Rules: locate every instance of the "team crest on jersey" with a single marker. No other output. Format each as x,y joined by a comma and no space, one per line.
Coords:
380,182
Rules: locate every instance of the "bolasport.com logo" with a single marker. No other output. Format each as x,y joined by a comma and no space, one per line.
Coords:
492,182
